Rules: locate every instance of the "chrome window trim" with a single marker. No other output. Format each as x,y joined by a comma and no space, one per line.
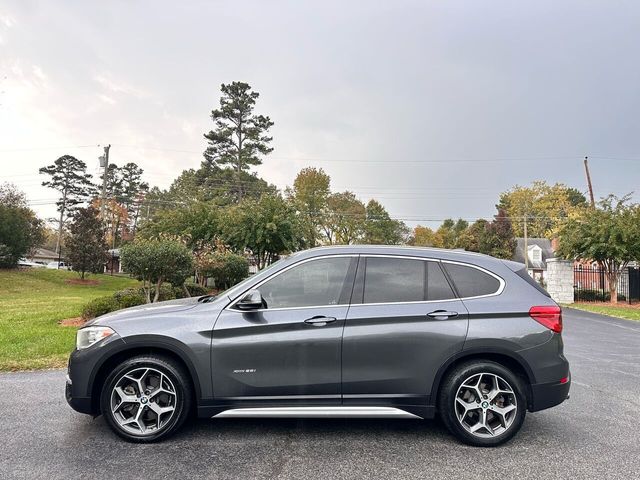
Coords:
501,281
257,285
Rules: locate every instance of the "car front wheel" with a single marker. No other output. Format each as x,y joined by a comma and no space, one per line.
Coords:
482,403
146,398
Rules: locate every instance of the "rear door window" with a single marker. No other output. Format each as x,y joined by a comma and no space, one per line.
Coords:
471,282
438,287
394,280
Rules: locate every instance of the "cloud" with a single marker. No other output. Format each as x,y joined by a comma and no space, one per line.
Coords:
7,20
106,99
119,87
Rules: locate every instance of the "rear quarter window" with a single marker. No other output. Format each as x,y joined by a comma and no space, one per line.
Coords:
471,282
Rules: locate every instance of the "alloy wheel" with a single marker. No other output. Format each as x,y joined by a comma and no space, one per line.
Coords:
143,401
485,405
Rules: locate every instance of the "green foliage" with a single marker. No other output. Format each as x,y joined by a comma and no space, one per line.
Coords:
226,269
239,138
197,224
129,297
608,234
87,249
267,227
156,261
99,306
20,229
546,207
310,194
345,219
196,290
380,229
69,177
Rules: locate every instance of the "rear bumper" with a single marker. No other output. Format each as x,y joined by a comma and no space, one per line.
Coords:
547,395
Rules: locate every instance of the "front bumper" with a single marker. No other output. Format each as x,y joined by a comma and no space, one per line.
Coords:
82,370
547,395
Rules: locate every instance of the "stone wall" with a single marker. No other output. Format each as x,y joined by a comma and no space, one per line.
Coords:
559,279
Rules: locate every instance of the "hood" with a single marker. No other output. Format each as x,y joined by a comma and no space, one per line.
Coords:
146,310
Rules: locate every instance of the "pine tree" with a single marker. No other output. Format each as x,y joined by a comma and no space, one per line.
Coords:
69,177
240,137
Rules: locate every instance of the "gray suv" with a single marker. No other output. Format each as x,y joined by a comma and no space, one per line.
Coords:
334,331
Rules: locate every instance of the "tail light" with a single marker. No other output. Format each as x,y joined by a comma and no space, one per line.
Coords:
549,316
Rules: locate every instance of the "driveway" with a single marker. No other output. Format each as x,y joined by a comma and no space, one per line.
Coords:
593,435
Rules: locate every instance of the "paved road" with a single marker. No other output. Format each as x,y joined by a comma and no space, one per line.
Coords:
593,435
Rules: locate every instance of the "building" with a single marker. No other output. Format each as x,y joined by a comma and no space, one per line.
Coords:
538,251
43,256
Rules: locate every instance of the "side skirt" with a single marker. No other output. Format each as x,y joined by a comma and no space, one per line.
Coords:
316,412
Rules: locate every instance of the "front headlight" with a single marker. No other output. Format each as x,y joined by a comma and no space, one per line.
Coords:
90,335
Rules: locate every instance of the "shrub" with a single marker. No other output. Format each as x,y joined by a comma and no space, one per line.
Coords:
226,269
129,297
99,306
167,292
196,290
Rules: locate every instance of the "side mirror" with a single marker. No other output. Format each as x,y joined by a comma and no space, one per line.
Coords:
252,300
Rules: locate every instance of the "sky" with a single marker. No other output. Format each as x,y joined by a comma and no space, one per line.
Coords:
431,107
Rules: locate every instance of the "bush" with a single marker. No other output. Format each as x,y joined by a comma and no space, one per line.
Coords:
226,269
167,292
196,290
130,297
99,306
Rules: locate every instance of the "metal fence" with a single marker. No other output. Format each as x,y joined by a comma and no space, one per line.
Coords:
591,285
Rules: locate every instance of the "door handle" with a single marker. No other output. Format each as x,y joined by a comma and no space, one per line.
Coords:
442,314
320,320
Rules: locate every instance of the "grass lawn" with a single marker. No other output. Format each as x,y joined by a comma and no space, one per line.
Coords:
629,312
32,302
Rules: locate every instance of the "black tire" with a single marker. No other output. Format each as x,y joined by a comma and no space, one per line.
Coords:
447,402
182,402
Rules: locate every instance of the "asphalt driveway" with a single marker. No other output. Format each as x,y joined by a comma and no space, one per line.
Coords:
593,435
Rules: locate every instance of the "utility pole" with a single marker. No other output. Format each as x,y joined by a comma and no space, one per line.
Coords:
526,247
104,162
586,169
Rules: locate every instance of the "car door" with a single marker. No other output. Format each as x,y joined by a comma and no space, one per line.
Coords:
404,322
289,351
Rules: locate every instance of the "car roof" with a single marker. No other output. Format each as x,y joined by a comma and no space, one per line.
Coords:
425,252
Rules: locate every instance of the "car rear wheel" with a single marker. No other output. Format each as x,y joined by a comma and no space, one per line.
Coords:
482,403
146,398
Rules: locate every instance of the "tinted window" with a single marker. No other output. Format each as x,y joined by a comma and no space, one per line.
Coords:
471,282
437,286
393,280
317,282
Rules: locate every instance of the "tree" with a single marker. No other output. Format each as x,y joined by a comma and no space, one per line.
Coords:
310,194
449,233
380,228
422,237
86,246
267,228
544,206
608,234
156,261
20,229
196,224
500,241
240,137
69,177
226,268
344,222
